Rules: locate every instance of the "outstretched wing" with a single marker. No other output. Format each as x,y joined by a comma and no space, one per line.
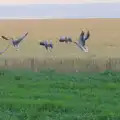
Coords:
87,36
5,38
81,47
69,39
1,52
21,38
81,40
62,38
51,44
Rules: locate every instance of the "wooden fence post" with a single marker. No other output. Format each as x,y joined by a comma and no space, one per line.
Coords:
33,64
6,63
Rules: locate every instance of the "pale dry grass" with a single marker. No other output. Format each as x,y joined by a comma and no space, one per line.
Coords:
104,41
63,65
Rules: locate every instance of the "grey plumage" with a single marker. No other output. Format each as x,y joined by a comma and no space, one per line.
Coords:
65,39
1,52
82,41
87,36
47,44
16,42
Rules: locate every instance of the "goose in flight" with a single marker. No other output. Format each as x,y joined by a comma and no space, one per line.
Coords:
16,42
47,44
65,39
81,42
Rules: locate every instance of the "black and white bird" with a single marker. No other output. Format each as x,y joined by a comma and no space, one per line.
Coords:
82,41
17,41
47,44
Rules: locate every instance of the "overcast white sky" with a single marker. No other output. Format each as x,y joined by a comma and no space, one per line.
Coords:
54,1
59,9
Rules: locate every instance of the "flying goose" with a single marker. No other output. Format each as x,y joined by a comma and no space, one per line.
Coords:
46,44
16,42
82,40
65,39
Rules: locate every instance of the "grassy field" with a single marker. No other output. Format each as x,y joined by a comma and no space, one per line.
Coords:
103,44
48,95
104,40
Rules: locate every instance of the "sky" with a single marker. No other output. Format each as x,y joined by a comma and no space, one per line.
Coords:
47,9
54,1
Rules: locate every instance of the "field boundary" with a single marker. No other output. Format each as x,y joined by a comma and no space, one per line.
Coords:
65,65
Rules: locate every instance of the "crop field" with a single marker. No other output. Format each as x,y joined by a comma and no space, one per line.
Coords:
104,37
103,44
84,92
49,95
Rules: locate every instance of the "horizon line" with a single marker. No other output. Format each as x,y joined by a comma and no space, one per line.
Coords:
56,18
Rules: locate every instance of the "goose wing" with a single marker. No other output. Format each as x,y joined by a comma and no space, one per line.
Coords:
51,44
62,38
1,52
18,40
5,38
81,39
87,36
70,39
46,42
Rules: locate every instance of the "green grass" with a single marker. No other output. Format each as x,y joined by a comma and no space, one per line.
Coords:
48,95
